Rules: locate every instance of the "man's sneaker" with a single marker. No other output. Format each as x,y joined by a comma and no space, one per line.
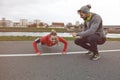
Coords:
95,57
89,53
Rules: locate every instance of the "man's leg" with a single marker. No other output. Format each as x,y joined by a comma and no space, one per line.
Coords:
92,40
82,42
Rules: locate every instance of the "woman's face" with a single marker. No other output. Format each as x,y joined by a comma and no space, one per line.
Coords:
53,39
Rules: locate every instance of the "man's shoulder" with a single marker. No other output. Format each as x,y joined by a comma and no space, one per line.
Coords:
96,16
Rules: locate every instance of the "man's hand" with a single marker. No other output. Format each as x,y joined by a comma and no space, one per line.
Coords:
78,37
74,34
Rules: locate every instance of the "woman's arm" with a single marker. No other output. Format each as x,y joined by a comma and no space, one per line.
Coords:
65,44
35,45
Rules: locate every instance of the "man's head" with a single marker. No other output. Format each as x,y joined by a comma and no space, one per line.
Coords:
84,11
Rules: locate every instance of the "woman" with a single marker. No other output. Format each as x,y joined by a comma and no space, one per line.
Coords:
50,40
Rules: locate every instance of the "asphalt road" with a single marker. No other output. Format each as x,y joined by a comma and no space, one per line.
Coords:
58,67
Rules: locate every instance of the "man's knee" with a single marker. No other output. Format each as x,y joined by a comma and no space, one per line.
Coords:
77,41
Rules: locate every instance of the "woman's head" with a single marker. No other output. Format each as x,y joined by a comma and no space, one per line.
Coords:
53,36
53,33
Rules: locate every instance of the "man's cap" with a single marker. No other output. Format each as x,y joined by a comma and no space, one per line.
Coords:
85,9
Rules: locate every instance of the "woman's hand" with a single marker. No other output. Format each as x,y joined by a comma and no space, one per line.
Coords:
63,52
38,53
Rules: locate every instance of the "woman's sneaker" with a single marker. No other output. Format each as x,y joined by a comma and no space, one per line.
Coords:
95,57
89,53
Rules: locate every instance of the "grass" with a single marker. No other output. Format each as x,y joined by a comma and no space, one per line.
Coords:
16,38
7,29
113,39
29,38
24,38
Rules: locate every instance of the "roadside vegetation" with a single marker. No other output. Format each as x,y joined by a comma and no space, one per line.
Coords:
47,29
29,38
6,29
24,38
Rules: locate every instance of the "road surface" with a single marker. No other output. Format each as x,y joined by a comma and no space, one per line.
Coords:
58,67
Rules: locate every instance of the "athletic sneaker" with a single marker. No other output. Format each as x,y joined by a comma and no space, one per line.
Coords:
95,57
89,53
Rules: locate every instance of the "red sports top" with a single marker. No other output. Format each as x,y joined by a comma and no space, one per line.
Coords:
46,41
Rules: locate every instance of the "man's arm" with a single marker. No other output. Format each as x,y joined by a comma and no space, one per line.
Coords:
93,28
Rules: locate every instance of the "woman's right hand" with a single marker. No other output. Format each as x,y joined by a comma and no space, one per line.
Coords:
38,53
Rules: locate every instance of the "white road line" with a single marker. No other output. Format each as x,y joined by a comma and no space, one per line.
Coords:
48,54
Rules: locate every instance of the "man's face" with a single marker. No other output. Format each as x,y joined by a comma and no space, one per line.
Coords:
83,15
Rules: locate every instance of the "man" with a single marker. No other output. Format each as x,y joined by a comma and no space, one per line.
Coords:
92,32
50,40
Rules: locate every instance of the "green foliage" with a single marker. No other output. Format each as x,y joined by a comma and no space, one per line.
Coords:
24,38
32,29
29,38
16,38
113,39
